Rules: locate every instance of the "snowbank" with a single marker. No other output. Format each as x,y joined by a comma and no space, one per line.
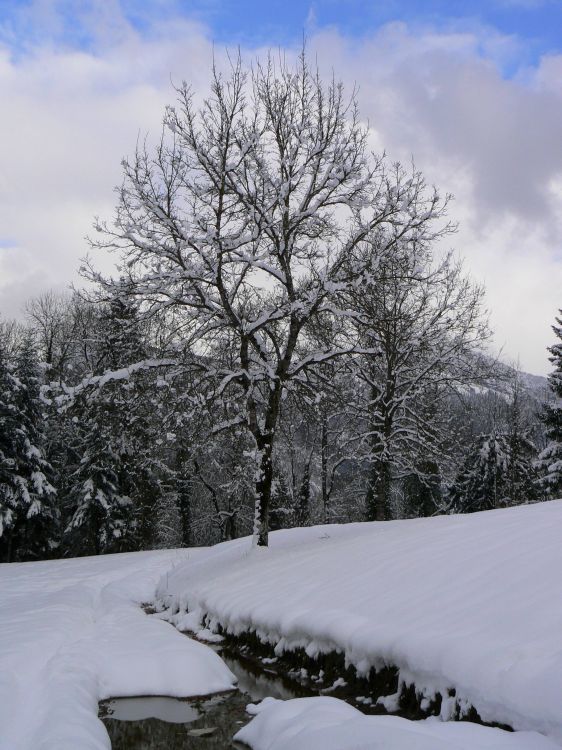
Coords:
330,724
71,634
467,602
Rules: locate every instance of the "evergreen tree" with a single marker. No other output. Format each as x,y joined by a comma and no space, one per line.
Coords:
113,485
40,529
27,497
99,510
282,508
522,479
302,508
550,460
134,433
422,490
495,474
481,481
8,427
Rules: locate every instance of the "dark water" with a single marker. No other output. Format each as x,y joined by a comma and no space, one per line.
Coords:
171,724
159,723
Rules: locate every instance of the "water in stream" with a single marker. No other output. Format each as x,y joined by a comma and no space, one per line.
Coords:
160,723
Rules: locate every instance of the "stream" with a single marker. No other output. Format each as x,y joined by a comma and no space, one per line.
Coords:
158,723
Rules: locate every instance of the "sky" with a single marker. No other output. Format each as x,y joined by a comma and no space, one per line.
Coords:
472,91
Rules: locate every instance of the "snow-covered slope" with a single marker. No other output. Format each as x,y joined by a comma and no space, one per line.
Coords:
71,634
471,602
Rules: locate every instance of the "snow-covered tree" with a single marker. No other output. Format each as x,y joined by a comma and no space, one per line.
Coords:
9,504
422,327
303,499
481,483
282,510
522,478
27,498
243,221
222,479
421,490
100,514
497,473
550,460
114,487
54,320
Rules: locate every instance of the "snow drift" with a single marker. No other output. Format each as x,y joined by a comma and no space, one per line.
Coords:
468,602
330,724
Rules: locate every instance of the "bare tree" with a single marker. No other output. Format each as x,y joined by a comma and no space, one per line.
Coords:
425,321
51,318
245,218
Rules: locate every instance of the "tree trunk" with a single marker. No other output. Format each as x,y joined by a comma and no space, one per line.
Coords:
263,494
378,491
8,556
184,507
383,492
324,467
264,440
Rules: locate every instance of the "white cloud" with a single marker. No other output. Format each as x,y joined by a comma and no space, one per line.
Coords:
493,143
71,116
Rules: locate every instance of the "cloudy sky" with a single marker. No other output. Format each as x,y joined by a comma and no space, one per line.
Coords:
472,90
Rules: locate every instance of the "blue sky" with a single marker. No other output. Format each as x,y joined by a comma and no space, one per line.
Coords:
534,25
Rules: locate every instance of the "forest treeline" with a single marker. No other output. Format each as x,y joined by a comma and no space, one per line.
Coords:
98,456
285,341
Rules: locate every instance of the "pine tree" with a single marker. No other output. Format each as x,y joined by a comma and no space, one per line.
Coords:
481,482
8,428
112,490
550,460
422,489
28,496
522,478
133,432
281,502
497,473
98,522
40,530
302,508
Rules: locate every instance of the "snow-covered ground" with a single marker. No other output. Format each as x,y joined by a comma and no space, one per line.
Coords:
330,724
467,602
71,633
470,602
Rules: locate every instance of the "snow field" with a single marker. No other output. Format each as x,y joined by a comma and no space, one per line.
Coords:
468,602
330,724
72,633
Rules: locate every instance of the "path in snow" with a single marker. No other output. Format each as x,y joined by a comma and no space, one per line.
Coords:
72,633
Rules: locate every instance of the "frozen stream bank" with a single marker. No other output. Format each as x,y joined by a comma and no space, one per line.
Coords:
285,722
468,608
155,723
